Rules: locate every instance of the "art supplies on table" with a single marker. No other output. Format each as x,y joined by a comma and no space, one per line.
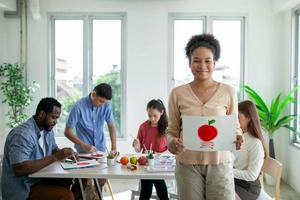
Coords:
163,163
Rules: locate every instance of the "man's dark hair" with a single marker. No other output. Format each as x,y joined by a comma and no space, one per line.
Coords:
103,90
46,105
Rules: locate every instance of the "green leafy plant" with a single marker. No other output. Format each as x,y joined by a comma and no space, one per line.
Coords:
16,92
272,117
111,155
150,156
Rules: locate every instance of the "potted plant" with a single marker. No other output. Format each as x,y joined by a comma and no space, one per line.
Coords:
272,117
110,159
17,94
150,159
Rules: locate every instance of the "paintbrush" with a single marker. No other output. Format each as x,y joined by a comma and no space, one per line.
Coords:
145,148
74,156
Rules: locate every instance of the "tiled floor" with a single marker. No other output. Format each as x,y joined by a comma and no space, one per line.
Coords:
287,193
121,189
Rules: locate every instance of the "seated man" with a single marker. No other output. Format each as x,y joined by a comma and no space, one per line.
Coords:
30,147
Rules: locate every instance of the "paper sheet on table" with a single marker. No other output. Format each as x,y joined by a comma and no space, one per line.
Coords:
80,164
95,155
198,135
160,168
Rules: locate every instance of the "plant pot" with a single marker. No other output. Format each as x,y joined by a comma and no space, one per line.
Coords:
271,148
150,162
110,161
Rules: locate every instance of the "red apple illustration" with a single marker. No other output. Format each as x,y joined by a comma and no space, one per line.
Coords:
207,132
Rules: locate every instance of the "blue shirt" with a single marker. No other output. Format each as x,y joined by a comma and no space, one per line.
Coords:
88,121
21,145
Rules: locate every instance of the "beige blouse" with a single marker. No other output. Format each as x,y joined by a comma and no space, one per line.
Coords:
183,101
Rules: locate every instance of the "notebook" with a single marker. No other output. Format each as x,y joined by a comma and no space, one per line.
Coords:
209,133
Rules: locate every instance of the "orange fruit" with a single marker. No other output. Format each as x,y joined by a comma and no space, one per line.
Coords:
124,160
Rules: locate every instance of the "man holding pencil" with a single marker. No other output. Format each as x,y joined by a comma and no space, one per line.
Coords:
30,147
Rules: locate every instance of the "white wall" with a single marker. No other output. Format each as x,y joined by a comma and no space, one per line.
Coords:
283,5
9,52
8,4
289,154
147,48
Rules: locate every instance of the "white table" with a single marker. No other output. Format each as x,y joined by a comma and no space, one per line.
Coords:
101,171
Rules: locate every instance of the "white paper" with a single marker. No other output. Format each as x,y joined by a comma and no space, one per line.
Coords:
224,139
80,164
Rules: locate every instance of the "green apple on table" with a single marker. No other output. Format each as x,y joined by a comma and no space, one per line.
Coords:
133,160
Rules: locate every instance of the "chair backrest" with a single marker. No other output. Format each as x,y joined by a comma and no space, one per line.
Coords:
273,168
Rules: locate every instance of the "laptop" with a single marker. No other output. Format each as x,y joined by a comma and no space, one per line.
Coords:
209,133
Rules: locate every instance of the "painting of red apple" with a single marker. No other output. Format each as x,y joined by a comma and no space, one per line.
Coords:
207,132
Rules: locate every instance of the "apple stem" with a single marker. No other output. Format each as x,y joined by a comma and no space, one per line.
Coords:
210,122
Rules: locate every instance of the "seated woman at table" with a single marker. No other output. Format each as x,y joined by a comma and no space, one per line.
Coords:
249,159
152,136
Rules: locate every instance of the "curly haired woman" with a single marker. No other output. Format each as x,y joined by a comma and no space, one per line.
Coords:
199,174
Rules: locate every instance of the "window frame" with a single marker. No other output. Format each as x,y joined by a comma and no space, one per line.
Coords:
295,72
207,27
88,55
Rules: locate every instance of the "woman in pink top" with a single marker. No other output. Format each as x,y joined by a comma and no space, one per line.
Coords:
152,136
202,175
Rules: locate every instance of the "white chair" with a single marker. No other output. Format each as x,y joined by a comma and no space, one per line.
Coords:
273,168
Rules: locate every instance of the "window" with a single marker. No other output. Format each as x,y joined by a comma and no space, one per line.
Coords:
87,50
231,35
296,138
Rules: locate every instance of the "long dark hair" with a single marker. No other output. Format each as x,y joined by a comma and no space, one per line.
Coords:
163,121
248,109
